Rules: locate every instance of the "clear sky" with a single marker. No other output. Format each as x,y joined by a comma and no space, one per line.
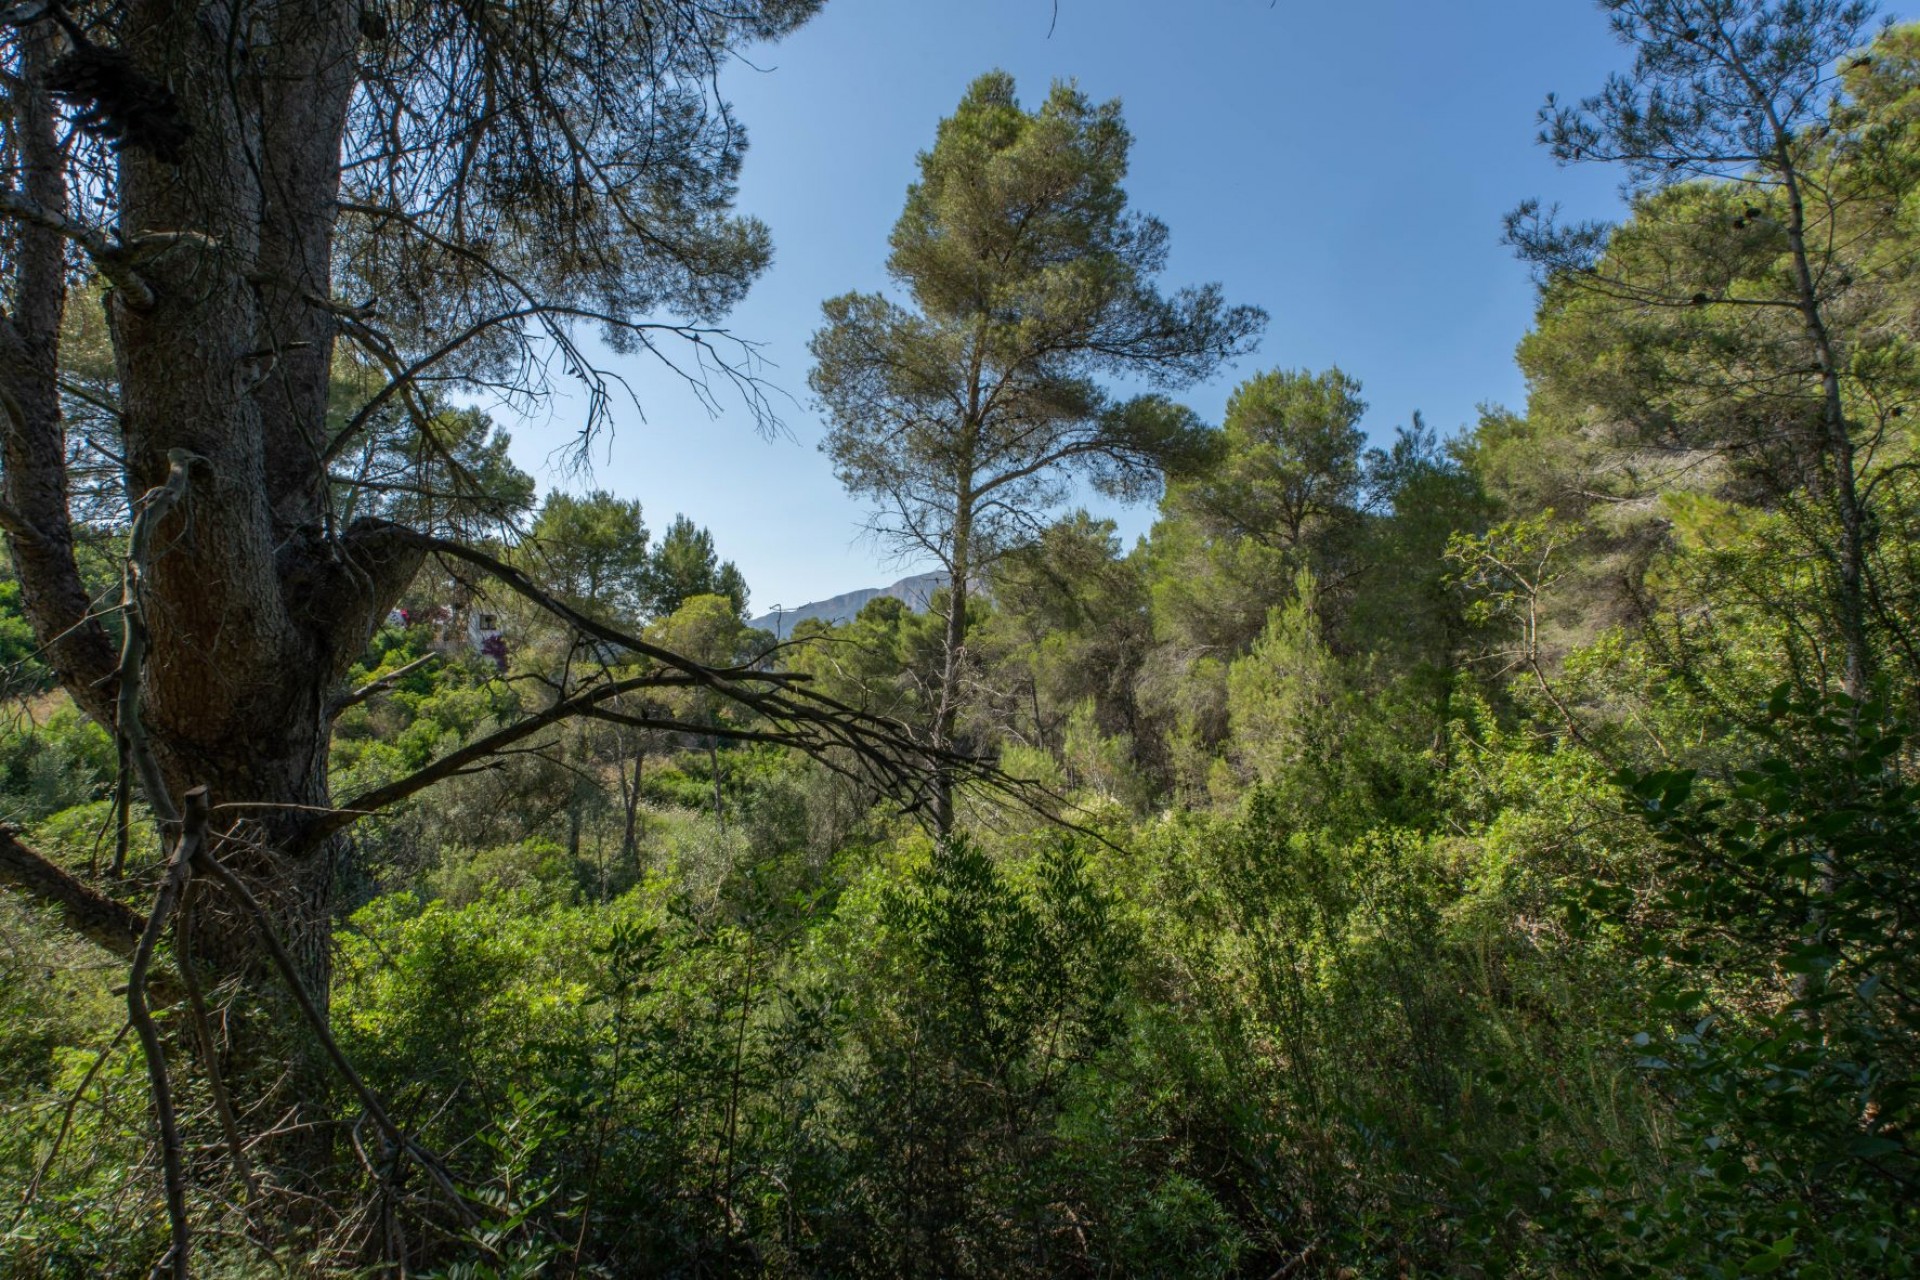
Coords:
1344,166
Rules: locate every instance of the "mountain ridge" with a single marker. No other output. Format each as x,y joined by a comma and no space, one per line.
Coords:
913,591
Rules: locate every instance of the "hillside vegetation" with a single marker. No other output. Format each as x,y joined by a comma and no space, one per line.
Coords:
1492,855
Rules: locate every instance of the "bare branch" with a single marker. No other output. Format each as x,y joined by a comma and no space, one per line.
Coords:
456,762
152,508
106,254
193,836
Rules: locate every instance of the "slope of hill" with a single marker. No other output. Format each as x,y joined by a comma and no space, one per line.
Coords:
914,592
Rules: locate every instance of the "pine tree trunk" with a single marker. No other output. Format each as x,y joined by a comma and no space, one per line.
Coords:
1833,472
630,801
255,603
952,671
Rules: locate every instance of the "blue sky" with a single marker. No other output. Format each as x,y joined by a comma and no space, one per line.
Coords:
1345,167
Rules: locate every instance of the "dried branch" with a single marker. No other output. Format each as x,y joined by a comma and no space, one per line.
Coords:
895,754
205,861
151,508
193,837
457,762
878,751
106,254
122,806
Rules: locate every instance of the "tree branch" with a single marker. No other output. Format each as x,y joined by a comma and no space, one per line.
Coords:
193,837
455,762
110,925
152,508
108,255
375,687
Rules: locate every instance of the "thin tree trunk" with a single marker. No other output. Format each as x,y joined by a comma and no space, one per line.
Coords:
630,800
122,808
1835,480
33,446
1834,476
953,659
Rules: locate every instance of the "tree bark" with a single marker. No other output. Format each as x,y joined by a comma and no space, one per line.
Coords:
953,666
108,924
630,804
35,512
254,606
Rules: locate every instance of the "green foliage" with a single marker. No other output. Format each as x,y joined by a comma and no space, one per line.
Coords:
1757,361
58,1021
47,767
1285,698
1476,869
538,872
592,550
976,997
429,464
685,566
969,410
1778,910
19,651
1290,472
1065,641
1282,497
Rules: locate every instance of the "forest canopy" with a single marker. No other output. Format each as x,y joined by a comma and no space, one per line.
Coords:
1495,853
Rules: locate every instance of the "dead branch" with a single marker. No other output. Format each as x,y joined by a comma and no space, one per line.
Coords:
879,751
106,254
369,1100
152,507
193,835
522,585
467,757
816,721
122,806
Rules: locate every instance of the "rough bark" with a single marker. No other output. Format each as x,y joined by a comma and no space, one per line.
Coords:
34,450
952,670
254,605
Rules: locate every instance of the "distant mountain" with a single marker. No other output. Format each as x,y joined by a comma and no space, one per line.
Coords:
913,592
